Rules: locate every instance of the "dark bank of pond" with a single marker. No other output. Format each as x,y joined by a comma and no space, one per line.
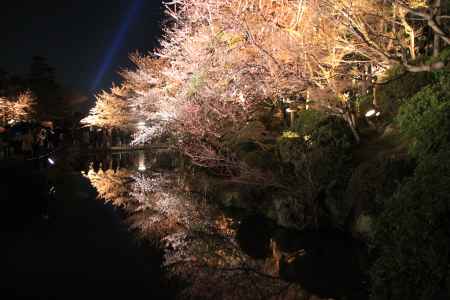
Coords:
70,246
328,263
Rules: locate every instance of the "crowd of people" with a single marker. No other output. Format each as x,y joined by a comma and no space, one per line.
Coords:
99,138
28,140
34,140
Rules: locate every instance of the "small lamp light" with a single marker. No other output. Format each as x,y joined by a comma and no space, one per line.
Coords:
370,113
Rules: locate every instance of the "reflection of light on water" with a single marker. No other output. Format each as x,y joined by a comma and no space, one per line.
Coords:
112,186
197,237
141,161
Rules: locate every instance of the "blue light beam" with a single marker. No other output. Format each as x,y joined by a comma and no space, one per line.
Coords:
117,43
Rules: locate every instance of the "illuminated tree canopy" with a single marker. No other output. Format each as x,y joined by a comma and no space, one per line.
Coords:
222,62
17,109
111,109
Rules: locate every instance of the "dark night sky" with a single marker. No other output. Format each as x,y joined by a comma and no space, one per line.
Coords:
76,36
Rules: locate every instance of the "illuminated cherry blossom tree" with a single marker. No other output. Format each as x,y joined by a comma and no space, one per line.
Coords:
111,109
19,108
222,62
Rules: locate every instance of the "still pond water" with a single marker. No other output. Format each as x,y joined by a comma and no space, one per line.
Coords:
126,224
207,245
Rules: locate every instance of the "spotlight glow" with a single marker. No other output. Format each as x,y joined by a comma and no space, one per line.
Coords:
51,161
120,36
370,113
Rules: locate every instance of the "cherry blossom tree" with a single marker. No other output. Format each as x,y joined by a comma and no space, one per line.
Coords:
111,109
19,108
222,62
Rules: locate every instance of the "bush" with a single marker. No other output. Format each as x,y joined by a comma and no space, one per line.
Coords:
425,118
307,121
412,236
321,143
400,85
373,182
259,159
320,157
332,133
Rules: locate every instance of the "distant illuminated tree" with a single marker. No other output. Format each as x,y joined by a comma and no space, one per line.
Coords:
111,109
17,109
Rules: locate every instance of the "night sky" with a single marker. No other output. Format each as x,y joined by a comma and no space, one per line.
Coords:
80,38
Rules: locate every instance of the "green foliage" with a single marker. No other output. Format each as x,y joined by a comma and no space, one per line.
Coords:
394,72
334,134
322,144
363,103
290,135
412,236
399,85
307,121
376,180
263,160
425,118
293,144
412,232
444,55
291,148
320,158
363,225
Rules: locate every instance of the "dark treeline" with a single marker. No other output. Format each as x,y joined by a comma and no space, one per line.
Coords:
54,101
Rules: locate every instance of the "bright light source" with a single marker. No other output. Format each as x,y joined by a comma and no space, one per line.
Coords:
378,114
289,110
51,161
370,113
141,161
11,122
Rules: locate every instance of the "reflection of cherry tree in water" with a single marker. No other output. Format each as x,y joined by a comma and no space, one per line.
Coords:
200,245
112,186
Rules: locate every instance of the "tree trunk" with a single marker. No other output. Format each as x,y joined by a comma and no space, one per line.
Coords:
349,117
437,37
